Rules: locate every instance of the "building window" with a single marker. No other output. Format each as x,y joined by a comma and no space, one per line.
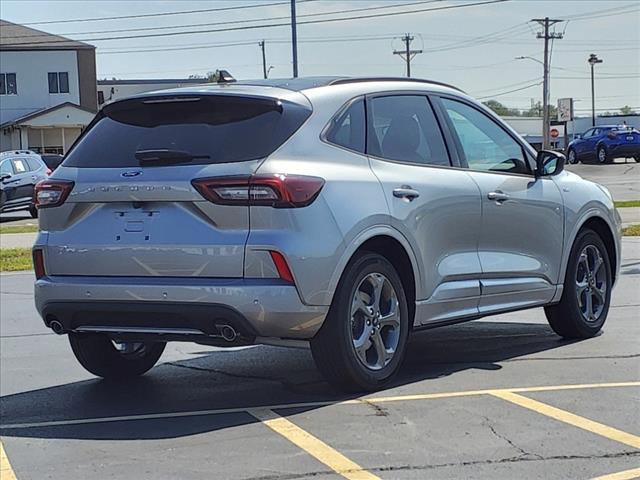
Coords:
58,82
8,85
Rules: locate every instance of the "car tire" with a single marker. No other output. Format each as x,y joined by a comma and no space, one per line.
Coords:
602,156
572,156
98,355
363,340
586,295
33,211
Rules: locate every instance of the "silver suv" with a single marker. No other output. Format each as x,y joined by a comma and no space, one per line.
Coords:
345,213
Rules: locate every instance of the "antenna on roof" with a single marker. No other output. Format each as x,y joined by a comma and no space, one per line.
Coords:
223,76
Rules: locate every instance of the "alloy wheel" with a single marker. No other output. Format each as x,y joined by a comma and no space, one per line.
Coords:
375,321
591,283
602,155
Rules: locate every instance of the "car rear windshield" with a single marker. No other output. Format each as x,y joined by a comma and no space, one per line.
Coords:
212,129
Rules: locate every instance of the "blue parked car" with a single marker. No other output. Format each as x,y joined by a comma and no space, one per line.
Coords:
604,143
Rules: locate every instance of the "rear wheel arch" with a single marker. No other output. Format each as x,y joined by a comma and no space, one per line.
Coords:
399,254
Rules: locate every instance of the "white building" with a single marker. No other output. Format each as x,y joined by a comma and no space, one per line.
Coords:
110,90
47,89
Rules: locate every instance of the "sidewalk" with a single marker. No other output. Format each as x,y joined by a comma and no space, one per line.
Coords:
15,240
629,215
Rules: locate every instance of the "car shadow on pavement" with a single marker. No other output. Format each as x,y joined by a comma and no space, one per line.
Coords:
250,377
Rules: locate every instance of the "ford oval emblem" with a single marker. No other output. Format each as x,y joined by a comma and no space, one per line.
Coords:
132,173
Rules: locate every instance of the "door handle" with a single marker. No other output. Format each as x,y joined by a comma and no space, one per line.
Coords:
498,196
406,192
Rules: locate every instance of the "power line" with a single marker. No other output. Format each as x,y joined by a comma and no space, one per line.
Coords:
509,91
232,22
252,27
164,14
509,85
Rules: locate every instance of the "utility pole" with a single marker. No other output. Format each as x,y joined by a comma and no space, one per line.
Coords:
264,59
593,59
294,39
407,54
546,22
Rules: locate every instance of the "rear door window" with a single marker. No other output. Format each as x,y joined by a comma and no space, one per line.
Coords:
214,129
20,165
404,128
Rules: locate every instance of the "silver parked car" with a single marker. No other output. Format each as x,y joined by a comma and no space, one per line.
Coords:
347,213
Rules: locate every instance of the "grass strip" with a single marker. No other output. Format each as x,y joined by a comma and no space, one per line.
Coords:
18,229
15,259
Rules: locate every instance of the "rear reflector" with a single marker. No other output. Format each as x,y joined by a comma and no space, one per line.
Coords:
279,191
281,266
51,193
38,263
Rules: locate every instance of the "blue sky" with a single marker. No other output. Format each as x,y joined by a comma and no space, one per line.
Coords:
457,45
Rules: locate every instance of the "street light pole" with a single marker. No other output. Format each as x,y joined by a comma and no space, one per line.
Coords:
593,59
294,39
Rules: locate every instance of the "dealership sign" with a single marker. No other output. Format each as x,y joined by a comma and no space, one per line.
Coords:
565,109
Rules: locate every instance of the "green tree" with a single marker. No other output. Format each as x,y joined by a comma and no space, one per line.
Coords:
626,110
501,109
536,111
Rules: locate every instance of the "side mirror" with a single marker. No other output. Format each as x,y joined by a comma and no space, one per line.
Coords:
549,162
577,136
4,176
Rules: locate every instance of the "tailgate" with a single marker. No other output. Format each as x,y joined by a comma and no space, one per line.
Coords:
132,209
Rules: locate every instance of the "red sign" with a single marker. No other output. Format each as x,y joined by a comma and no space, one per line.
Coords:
554,133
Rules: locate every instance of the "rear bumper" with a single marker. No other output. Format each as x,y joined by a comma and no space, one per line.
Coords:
254,307
628,150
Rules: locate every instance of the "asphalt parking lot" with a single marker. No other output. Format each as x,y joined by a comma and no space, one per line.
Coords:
621,178
498,398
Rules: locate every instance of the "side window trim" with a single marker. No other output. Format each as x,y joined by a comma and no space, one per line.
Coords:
458,143
407,93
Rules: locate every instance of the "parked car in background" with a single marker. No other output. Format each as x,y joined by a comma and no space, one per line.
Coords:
360,211
20,170
604,143
52,160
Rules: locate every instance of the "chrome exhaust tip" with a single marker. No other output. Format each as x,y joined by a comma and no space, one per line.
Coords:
57,327
228,332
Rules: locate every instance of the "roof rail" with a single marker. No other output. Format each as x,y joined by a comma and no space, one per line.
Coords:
342,81
10,153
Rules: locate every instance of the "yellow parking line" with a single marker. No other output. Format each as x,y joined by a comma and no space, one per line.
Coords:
467,393
6,472
317,404
626,475
570,418
312,445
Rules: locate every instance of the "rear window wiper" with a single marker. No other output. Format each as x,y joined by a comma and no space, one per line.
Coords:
164,156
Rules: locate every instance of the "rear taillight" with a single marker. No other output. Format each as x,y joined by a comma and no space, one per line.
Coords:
52,193
38,263
279,191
